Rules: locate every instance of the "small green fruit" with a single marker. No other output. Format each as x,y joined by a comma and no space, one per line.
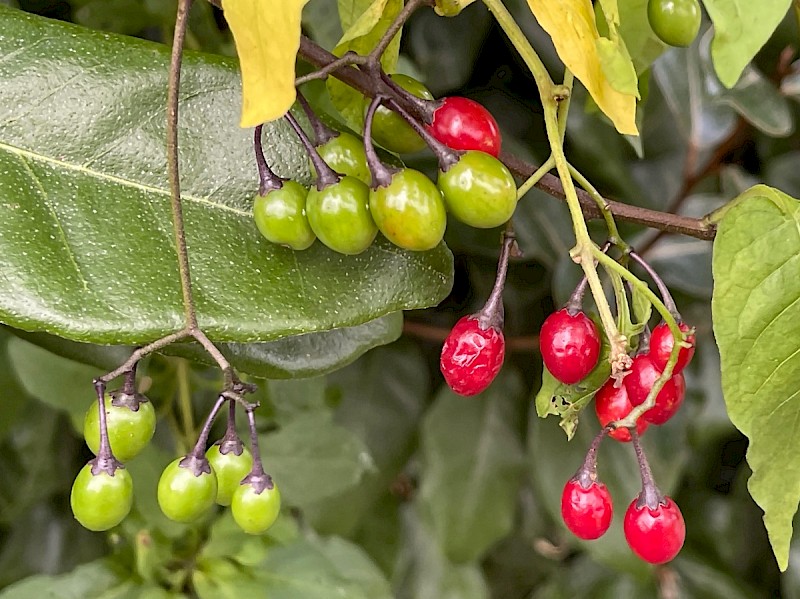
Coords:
339,215
280,216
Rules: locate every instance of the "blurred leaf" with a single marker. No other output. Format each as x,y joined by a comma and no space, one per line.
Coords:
13,399
756,311
349,102
321,19
634,27
584,578
43,375
95,162
701,119
472,466
382,399
90,581
424,572
572,26
120,16
227,540
697,578
265,37
312,458
782,172
543,228
741,28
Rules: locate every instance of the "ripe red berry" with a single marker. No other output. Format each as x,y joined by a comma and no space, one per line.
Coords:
570,345
586,511
661,343
471,356
612,403
655,535
641,379
463,124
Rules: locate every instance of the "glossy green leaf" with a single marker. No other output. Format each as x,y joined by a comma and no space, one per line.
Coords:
756,313
82,159
370,29
472,466
741,28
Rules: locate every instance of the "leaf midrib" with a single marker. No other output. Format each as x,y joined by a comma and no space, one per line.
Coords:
23,153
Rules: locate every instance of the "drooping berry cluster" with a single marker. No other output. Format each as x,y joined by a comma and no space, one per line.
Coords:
653,524
355,195
120,424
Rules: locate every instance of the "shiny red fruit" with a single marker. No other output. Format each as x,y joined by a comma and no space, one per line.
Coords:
472,357
661,343
612,403
656,535
463,124
641,379
586,512
570,345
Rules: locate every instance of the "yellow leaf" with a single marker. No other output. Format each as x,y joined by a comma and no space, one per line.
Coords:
267,36
450,8
365,23
572,26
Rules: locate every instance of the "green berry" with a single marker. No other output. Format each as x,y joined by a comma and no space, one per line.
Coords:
675,22
230,470
256,512
391,130
101,501
479,190
183,495
281,216
129,431
339,215
409,211
345,154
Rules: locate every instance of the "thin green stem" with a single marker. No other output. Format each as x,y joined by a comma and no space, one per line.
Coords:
535,177
551,95
613,233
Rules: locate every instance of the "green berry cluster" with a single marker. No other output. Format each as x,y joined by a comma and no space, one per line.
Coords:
355,196
227,474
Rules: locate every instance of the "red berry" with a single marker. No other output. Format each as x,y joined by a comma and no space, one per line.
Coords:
463,124
586,512
612,403
471,356
641,379
656,535
661,342
570,345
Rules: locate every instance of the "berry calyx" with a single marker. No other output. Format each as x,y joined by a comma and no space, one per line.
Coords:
675,22
131,422
662,342
570,345
340,217
612,403
389,129
280,216
472,356
586,511
409,210
101,497
256,504
640,381
656,534
463,124
187,488
479,190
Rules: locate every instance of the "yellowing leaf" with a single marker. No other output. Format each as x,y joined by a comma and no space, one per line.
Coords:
572,26
450,8
366,22
267,36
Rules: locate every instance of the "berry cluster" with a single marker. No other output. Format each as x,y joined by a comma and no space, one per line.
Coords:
120,424
355,195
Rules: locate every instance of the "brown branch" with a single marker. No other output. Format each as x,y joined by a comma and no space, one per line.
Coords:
663,221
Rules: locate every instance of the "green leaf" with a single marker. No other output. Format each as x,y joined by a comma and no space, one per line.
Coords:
13,399
472,466
756,315
349,102
312,458
43,376
89,581
642,44
82,158
741,28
